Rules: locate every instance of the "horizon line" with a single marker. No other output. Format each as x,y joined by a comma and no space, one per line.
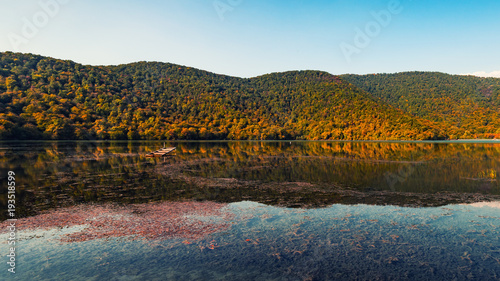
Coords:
479,74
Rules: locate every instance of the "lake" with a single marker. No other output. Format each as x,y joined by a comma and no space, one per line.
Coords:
253,211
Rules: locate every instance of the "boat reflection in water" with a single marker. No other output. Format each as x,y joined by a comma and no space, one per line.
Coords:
255,210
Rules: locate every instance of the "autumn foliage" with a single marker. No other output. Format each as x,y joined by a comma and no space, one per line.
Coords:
467,106
46,98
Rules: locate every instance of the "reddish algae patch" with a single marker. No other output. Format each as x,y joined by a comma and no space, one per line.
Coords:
152,221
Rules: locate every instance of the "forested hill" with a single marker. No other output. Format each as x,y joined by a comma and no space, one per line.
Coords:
470,103
46,98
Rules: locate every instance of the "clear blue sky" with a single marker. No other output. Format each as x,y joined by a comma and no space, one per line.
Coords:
247,38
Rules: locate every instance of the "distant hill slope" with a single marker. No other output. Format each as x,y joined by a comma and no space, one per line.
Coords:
472,104
46,98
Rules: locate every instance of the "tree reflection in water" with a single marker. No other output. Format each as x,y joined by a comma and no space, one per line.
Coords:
296,174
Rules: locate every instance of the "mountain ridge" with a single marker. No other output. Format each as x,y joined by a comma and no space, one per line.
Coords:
469,103
46,98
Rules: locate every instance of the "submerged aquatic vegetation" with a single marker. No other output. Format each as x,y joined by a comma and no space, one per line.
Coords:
191,220
251,241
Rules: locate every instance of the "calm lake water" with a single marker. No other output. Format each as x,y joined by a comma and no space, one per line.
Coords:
253,211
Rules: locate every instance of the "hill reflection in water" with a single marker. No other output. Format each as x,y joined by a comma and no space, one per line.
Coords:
292,174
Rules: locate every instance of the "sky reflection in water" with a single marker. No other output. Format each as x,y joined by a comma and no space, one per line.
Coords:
217,211
340,241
